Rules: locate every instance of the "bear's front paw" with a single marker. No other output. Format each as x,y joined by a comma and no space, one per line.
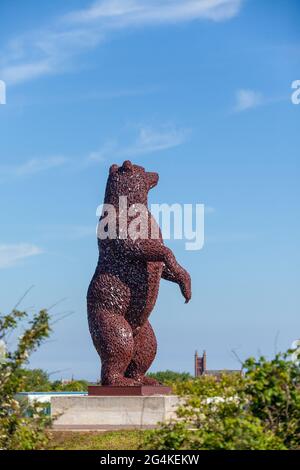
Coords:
185,285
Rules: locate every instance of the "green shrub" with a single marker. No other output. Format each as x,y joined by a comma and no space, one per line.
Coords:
273,390
21,426
260,410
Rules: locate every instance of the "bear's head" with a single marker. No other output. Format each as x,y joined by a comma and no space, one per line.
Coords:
131,181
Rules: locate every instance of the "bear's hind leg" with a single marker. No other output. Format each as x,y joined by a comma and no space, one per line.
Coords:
113,340
144,352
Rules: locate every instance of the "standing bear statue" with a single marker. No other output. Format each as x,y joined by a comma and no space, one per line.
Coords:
124,288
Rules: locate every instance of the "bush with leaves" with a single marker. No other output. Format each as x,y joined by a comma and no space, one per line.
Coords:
259,410
273,392
17,429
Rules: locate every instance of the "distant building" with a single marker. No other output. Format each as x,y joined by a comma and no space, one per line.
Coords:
201,367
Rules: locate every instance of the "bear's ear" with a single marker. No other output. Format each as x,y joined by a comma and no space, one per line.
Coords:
127,165
113,169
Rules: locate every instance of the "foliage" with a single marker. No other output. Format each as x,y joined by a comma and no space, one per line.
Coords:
17,429
273,391
34,380
260,410
72,386
169,377
112,440
37,380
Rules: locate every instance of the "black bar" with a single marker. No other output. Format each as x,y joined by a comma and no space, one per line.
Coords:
132,459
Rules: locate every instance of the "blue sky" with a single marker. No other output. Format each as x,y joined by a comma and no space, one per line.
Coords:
199,91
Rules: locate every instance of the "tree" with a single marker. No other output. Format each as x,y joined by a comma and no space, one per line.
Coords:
72,386
37,380
17,429
168,377
34,380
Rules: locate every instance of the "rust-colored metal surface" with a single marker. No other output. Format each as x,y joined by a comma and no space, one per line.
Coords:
133,391
124,288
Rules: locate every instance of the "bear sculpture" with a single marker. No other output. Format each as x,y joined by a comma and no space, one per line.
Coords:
124,288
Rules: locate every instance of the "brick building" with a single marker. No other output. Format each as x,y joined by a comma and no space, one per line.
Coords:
200,367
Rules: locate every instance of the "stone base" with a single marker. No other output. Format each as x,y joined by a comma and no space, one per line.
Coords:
103,412
135,391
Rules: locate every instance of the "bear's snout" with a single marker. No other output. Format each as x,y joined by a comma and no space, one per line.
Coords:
153,179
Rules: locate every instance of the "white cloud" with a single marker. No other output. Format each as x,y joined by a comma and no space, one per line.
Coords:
26,71
151,140
148,141
11,254
30,167
100,155
124,13
247,99
52,49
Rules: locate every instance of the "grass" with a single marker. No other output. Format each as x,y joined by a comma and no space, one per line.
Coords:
110,440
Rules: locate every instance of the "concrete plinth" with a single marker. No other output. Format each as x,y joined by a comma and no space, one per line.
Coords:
100,412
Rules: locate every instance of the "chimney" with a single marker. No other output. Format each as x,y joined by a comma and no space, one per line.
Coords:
196,363
204,362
